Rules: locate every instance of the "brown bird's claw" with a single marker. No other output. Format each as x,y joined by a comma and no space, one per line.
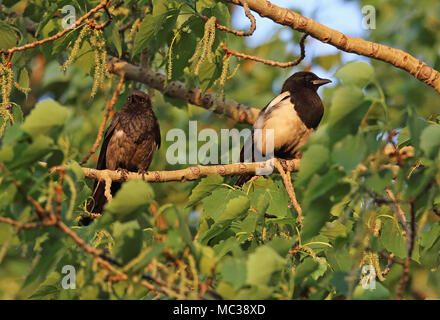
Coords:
123,173
142,172
283,163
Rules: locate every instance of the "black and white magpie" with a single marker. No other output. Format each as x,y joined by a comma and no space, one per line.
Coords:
293,115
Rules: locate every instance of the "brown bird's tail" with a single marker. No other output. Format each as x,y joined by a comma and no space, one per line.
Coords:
98,200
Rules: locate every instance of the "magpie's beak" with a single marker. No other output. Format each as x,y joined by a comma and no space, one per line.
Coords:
320,82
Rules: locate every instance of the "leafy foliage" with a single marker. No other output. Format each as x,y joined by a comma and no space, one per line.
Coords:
209,239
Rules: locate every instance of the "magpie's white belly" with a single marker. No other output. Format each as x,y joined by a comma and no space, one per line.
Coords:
288,128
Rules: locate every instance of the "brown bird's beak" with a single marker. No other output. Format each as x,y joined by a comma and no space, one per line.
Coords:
320,82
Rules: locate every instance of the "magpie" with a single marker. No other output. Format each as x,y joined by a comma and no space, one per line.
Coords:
293,115
129,144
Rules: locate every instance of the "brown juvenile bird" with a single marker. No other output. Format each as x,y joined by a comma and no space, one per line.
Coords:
129,144
292,115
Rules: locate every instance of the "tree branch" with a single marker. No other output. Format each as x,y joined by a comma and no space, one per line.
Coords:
396,57
190,173
178,90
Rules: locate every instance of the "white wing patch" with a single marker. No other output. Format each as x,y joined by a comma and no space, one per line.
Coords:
277,99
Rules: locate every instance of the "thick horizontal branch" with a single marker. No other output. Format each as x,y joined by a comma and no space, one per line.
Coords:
190,173
396,57
178,90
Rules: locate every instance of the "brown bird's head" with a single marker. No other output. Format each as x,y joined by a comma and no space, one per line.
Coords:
139,99
302,80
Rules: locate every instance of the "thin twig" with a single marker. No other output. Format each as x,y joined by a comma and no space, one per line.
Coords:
39,209
289,188
10,51
248,14
410,247
270,62
398,209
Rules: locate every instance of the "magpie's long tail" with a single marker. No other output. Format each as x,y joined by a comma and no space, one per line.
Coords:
242,179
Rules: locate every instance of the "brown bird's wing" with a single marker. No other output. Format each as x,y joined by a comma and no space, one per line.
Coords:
98,200
156,132
146,145
107,136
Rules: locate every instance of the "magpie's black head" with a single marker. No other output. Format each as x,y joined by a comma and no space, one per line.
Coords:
302,80
139,98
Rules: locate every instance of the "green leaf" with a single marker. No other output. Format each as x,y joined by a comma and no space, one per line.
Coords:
430,236
86,57
322,268
49,255
151,25
9,35
304,269
392,239
356,73
328,61
281,245
346,112
345,100
318,213
115,37
416,126
23,78
339,259
349,152
215,204
261,264
128,240
44,118
132,197
377,182
49,289
334,229
430,140
209,72
204,188
235,208
234,272
339,281
378,293
314,159
273,200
